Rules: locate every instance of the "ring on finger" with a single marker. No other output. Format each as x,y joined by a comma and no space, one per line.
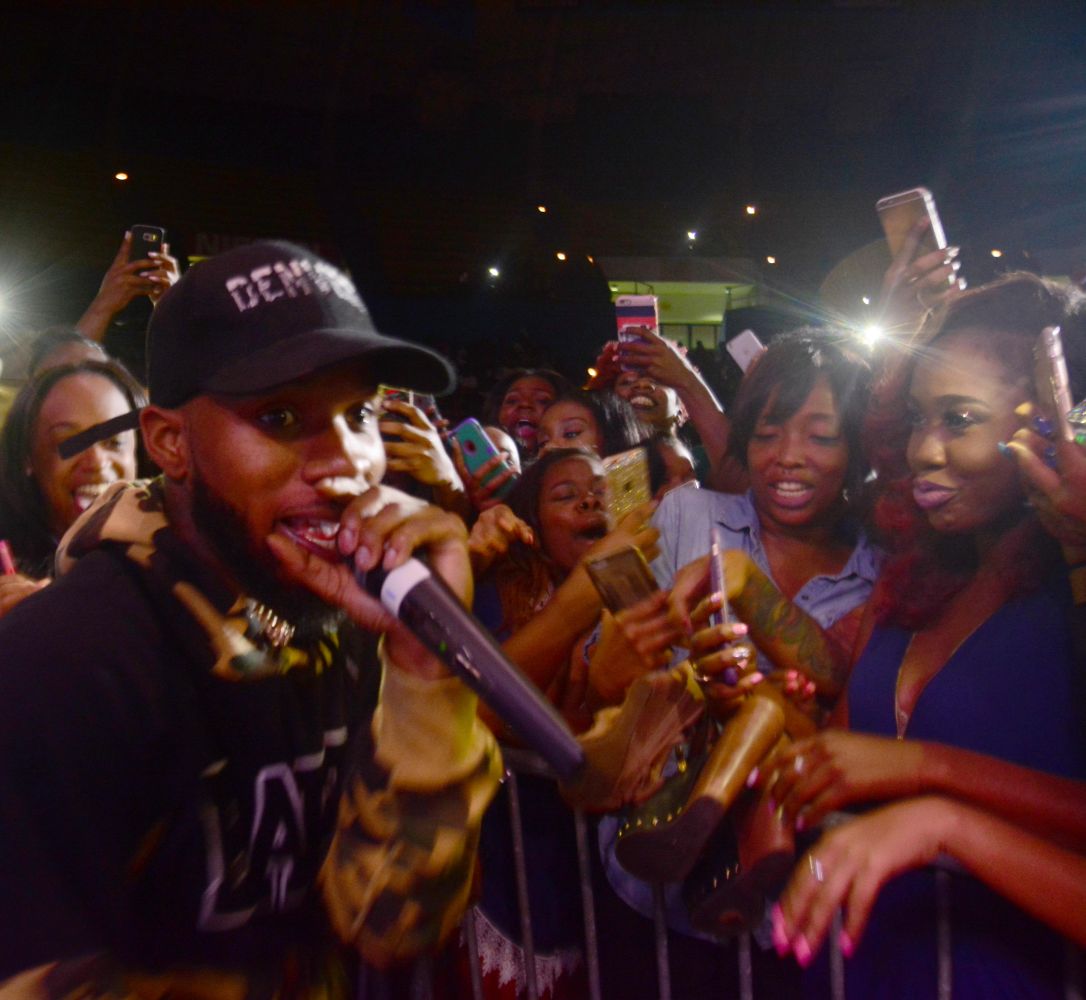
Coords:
816,868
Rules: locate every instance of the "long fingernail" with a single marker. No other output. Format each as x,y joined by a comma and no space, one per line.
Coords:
756,678
730,676
1050,456
740,628
348,538
952,252
1042,425
752,778
1001,447
846,944
363,558
802,951
800,823
780,935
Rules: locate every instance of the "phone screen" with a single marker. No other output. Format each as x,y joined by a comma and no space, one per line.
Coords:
622,578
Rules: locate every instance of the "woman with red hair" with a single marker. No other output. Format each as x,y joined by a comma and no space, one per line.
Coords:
968,675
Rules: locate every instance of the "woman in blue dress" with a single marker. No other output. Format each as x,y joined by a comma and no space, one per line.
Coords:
968,677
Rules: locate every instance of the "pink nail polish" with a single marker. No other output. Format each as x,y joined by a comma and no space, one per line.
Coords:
802,951
740,628
846,944
780,936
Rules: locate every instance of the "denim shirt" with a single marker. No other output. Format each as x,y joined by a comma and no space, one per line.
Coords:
685,516
683,519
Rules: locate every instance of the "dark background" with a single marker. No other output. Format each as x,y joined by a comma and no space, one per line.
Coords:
412,141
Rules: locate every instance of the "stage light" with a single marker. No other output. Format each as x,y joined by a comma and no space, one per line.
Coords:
541,209
120,175
590,259
592,373
771,260
691,235
872,334
997,253
865,300
560,255
493,272
752,209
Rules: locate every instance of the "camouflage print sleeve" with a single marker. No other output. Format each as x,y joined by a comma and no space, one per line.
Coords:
398,876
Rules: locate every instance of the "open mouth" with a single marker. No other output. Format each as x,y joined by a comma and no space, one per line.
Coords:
318,535
524,429
642,402
83,496
791,493
593,532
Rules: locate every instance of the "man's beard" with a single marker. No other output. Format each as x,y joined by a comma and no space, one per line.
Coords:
254,567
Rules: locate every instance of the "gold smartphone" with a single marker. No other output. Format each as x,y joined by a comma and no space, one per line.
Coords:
627,482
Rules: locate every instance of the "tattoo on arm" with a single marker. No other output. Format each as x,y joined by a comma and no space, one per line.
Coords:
791,637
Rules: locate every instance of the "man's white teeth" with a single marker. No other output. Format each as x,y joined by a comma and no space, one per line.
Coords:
642,402
319,533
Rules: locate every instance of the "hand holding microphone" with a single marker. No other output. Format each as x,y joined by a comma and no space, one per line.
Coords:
421,609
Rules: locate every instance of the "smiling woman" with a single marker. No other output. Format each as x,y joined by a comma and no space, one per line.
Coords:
968,667
41,494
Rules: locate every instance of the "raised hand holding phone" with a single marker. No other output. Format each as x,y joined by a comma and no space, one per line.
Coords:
924,271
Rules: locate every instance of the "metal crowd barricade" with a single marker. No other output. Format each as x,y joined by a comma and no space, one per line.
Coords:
522,762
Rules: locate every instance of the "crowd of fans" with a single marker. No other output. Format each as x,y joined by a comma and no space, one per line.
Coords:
870,569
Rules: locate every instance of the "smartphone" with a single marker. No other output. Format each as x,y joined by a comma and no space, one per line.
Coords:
1053,383
146,240
899,212
477,449
622,578
717,582
627,482
719,585
744,349
631,313
387,392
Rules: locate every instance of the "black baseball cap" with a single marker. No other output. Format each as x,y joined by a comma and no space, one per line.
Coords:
265,314
257,317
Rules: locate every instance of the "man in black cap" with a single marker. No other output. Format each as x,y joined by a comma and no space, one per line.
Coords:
197,783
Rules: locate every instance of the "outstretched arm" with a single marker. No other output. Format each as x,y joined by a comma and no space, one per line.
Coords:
850,864
836,769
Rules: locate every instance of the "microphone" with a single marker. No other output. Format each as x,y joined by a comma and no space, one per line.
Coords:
434,614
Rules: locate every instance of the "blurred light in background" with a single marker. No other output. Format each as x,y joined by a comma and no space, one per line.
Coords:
560,255
771,260
120,175
752,209
872,334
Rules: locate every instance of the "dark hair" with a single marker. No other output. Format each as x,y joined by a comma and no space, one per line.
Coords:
24,517
526,574
654,447
620,430
926,569
784,376
59,336
497,393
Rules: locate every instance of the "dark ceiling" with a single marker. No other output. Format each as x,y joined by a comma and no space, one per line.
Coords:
414,139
